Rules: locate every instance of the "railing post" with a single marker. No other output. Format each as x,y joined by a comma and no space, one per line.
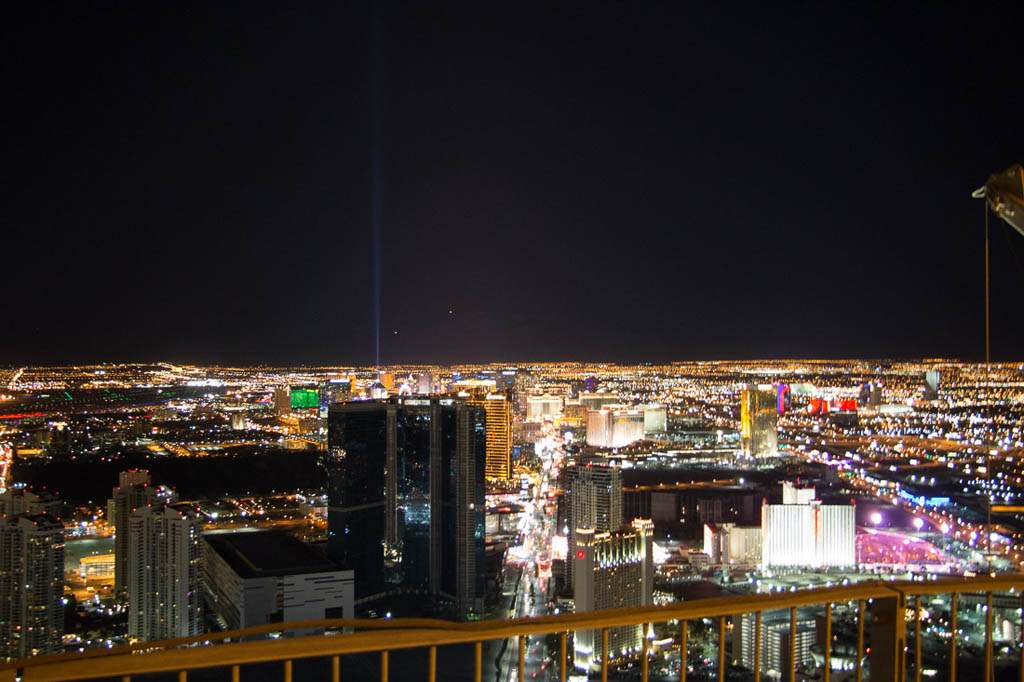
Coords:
335,670
288,671
828,643
684,645
721,649
1022,638
917,640
522,658
988,637
604,655
563,645
888,638
757,648
792,644
432,665
952,637
479,660
643,661
860,640
384,666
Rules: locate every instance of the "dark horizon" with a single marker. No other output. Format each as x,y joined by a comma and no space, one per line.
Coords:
200,183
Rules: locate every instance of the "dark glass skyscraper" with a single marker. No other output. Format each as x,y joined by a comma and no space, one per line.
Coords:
406,497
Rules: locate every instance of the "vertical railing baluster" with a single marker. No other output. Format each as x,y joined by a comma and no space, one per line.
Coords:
757,647
432,665
917,641
988,637
604,655
792,644
335,669
126,678
235,673
288,671
384,666
828,643
182,676
721,649
684,645
643,661
860,640
563,644
479,656
522,658
952,637
1022,638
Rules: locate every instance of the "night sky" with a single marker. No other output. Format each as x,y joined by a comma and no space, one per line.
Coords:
197,182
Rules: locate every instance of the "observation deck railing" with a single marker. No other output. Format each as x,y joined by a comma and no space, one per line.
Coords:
894,608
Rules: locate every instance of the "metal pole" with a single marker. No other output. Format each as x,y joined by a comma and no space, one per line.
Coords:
828,643
562,672
792,644
432,666
952,638
988,637
860,639
522,658
721,648
684,644
917,641
477,671
643,661
1022,640
604,655
757,648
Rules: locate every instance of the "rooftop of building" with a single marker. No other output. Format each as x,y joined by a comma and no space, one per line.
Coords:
263,554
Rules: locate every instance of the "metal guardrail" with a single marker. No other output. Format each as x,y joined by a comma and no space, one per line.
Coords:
889,619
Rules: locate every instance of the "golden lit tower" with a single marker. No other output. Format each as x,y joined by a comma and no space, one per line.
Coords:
759,421
498,408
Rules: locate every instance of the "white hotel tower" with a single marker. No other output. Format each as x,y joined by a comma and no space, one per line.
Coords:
803,532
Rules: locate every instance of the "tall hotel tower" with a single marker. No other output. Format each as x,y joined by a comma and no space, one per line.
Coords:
31,575
406,497
759,420
595,502
164,566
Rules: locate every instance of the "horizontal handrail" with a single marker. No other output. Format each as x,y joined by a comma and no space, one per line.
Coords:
382,635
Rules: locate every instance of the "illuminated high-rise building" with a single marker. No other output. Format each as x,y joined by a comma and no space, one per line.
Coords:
595,401
282,400
614,426
613,570
31,585
164,568
541,407
594,498
803,532
776,641
655,420
424,384
406,497
22,500
333,391
134,491
759,419
498,409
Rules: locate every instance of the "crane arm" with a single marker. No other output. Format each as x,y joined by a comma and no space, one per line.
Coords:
1004,193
